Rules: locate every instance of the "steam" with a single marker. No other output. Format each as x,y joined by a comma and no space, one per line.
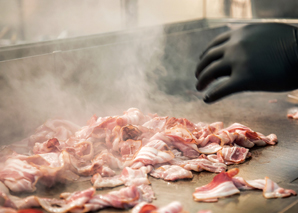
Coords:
74,85
148,70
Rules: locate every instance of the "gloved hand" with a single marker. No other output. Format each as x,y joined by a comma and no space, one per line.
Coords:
257,57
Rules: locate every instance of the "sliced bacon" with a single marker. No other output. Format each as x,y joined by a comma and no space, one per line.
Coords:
135,176
73,202
199,165
19,176
83,150
210,148
124,198
180,133
148,194
246,135
5,199
216,158
106,182
55,167
51,145
152,153
293,115
234,154
221,186
129,132
64,152
188,150
129,148
243,184
272,190
171,173
107,158
156,123
144,207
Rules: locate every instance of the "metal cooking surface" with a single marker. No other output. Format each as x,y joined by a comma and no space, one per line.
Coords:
279,163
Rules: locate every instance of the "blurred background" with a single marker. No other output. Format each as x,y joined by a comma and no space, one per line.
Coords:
71,59
27,21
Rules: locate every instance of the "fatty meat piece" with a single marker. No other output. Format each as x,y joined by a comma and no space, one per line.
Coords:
135,176
199,165
86,200
293,115
106,182
221,186
171,173
124,198
128,177
243,184
19,176
173,207
154,152
272,190
210,148
234,154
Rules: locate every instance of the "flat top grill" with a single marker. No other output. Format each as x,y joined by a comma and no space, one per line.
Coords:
278,162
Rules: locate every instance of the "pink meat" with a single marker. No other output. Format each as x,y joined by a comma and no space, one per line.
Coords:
156,123
293,115
243,184
152,153
221,186
171,173
124,198
234,154
51,145
135,176
272,190
210,148
199,165
144,207
19,176
73,202
106,182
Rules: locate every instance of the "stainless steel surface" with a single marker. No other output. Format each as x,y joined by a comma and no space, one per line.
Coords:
278,162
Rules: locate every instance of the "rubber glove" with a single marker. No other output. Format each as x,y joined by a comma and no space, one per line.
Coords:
257,57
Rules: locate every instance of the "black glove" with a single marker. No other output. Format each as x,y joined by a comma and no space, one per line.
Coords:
257,57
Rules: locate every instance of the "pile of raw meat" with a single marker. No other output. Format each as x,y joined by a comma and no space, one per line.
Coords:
118,150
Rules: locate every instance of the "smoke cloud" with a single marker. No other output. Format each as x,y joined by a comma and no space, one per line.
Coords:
151,70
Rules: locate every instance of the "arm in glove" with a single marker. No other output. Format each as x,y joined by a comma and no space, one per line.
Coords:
257,57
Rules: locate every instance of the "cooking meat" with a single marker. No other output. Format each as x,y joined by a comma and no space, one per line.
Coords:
152,153
210,148
135,176
221,186
225,184
106,182
143,207
293,115
272,190
19,176
243,184
124,198
234,154
171,173
122,150
199,165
